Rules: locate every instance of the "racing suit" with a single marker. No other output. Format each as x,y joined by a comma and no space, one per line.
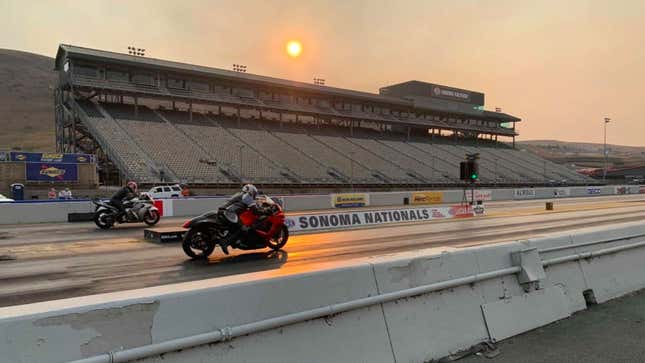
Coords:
123,195
238,204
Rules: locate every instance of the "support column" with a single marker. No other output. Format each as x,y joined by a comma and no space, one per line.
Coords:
136,106
239,124
409,131
190,111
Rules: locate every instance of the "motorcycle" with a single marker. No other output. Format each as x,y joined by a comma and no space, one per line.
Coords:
207,230
137,210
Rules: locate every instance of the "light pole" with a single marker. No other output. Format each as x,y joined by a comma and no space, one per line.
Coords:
604,151
241,153
351,170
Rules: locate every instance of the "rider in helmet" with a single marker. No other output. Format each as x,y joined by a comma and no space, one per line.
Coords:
238,204
128,192
242,200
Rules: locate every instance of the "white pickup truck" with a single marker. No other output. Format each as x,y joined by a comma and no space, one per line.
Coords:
165,191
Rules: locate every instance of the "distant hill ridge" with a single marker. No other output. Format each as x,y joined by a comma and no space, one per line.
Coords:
26,101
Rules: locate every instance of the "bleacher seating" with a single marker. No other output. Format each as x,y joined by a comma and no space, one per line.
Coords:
116,142
211,149
165,144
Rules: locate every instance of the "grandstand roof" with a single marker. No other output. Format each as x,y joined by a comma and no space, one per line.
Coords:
73,51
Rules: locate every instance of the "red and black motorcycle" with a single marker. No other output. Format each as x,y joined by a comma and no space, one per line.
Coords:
266,230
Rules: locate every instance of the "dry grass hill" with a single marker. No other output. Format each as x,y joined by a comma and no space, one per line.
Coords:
584,155
26,100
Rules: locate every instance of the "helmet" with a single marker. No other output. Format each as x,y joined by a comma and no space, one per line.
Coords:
132,185
251,189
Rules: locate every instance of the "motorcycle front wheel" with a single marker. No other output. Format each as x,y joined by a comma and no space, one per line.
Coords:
151,218
103,220
197,244
279,240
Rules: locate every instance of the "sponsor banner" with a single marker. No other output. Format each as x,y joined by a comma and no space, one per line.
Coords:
561,192
593,190
350,200
483,195
50,157
4,156
427,198
524,193
622,189
51,172
344,220
641,189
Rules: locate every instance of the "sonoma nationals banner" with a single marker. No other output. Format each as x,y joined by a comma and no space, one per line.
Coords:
344,220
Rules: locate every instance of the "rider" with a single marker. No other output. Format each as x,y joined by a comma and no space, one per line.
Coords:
128,192
238,204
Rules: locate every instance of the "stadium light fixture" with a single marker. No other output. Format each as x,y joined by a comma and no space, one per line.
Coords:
239,68
319,81
138,52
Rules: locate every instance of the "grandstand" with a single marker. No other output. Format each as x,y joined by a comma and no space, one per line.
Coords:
160,121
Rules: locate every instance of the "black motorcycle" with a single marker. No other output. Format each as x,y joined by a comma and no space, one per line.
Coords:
137,210
258,231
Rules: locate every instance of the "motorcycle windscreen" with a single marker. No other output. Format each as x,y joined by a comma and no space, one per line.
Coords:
231,216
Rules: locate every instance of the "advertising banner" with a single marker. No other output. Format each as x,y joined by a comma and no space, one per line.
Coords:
561,192
344,220
621,189
641,189
483,195
350,200
420,198
4,156
51,172
593,190
18,156
524,193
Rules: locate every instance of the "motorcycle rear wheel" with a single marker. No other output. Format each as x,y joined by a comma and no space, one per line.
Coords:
279,240
103,220
197,244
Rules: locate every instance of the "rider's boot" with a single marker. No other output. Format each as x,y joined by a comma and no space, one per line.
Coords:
224,243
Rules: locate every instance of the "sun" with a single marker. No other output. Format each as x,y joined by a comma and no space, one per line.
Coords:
294,48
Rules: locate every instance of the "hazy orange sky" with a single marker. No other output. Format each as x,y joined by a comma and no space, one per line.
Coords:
561,66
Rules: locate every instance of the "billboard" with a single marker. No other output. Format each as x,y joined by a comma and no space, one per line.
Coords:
344,220
19,156
483,195
350,200
524,193
419,198
51,172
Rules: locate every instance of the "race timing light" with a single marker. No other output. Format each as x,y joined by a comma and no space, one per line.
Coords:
469,169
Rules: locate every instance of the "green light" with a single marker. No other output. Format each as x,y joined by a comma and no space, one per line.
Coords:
473,176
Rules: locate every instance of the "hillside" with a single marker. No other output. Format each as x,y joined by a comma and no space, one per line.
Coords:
26,100
585,154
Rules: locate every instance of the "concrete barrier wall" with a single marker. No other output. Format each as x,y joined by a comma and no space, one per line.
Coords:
15,213
433,303
57,211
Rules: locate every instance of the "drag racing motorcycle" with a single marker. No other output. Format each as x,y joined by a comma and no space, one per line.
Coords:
137,210
207,230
